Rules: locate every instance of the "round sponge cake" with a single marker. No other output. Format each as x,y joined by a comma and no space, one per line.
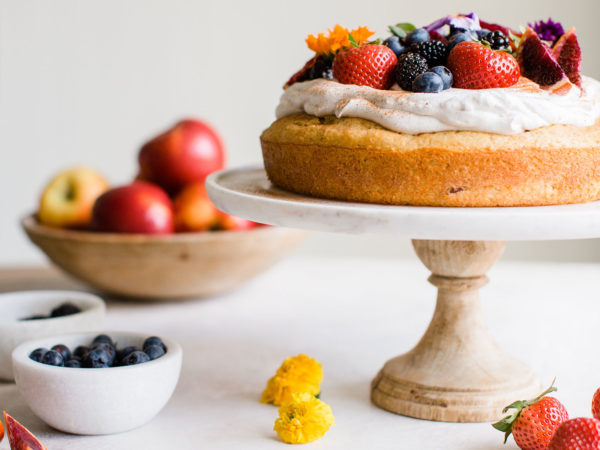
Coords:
358,160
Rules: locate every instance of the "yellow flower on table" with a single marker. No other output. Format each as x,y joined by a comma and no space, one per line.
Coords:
303,419
297,374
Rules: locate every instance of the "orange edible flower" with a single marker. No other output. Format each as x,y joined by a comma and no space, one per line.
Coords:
362,34
337,39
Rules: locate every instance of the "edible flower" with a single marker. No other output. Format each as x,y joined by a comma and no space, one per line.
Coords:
463,21
337,39
303,419
549,30
297,374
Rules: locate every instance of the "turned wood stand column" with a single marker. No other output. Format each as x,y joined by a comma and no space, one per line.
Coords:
456,373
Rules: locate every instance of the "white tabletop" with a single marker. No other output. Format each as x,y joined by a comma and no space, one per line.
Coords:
247,192
352,315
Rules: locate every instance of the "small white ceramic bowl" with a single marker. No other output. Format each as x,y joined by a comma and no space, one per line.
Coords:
96,401
18,305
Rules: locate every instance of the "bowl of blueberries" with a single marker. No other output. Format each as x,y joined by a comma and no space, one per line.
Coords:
94,384
36,314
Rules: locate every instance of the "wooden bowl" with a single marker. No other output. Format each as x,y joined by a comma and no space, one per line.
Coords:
175,266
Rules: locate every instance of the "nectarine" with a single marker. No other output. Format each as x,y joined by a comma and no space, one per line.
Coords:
193,209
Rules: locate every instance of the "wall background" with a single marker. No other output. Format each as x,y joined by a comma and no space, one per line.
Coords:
86,82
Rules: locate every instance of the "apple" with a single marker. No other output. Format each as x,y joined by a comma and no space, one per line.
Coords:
19,437
185,154
193,209
68,199
139,207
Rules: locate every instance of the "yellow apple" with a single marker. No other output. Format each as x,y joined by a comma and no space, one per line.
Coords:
68,199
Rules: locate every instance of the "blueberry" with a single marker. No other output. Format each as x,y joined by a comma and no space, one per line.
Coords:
482,33
63,350
136,357
457,38
38,354
102,338
445,74
125,351
53,358
73,363
35,317
65,309
97,358
154,351
80,352
394,44
109,349
428,82
154,340
418,35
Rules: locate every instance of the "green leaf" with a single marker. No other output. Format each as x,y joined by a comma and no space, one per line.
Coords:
352,41
406,27
397,31
318,395
375,42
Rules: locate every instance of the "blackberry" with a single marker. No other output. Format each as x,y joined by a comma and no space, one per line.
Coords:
497,40
321,69
435,52
410,66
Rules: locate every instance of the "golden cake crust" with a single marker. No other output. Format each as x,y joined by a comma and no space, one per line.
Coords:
358,160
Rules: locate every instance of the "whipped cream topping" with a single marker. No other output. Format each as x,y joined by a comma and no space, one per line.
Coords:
522,107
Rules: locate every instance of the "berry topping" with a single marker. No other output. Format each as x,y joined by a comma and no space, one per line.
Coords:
435,52
393,42
457,38
568,55
321,68
497,40
475,66
445,74
410,66
368,65
580,433
536,60
418,35
428,82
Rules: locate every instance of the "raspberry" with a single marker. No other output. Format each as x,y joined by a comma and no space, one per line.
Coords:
410,66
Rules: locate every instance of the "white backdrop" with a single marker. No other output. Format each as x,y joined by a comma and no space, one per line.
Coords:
85,82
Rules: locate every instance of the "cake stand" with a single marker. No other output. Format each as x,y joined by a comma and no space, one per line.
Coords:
456,372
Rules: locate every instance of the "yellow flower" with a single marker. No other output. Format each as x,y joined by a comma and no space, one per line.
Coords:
362,34
303,419
280,390
297,374
318,44
338,38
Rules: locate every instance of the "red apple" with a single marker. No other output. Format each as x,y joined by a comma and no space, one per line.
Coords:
139,207
193,209
68,199
19,437
185,154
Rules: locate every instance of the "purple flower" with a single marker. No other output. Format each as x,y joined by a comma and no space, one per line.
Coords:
465,21
549,30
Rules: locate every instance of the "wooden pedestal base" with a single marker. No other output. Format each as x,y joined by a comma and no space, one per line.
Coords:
456,373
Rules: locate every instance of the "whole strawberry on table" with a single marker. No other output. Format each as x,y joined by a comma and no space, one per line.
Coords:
458,51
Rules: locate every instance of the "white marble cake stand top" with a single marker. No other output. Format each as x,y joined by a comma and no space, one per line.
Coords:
247,192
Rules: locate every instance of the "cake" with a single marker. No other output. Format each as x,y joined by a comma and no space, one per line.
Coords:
458,113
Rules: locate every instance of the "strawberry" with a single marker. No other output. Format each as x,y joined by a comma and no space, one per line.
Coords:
582,433
475,66
596,404
533,422
368,65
